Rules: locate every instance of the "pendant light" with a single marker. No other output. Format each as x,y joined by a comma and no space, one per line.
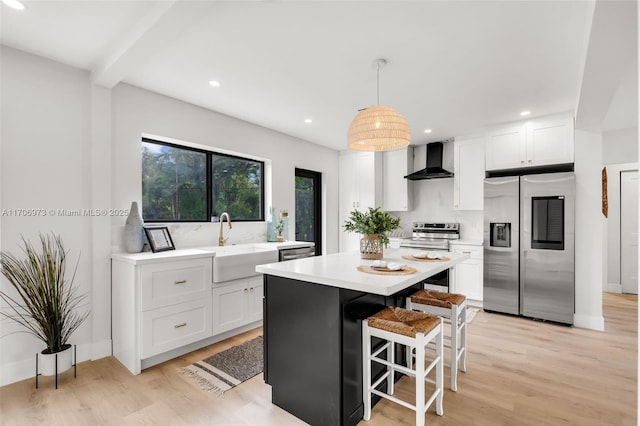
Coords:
379,128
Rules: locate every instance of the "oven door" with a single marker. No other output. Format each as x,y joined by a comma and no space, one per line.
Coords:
438,282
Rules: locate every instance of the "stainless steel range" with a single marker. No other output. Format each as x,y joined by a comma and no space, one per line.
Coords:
433,236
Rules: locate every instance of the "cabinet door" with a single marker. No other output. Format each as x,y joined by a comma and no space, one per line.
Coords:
395,188
256,293
168,283
550,141
230,306
468,275
505,148
468,174
173,326
369,176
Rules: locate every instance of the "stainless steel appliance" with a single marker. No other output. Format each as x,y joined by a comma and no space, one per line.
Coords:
433,237
296,252
529,246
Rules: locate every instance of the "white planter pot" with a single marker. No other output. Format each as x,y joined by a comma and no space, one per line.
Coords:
47,362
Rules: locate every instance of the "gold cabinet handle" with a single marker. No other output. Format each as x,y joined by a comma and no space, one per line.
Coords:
184,324
180,282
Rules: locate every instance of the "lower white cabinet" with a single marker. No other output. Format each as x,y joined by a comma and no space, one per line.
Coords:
237,303
160,303
468,275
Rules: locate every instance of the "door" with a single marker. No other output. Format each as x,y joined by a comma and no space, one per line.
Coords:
547,247
308,208
629,231
505,148
501,244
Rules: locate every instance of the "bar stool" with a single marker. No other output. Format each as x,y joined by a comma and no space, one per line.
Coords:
416,330
453,308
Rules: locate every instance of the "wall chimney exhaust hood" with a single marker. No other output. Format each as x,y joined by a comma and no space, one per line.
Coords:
434,168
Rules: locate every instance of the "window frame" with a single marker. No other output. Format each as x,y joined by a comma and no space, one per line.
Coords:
209,165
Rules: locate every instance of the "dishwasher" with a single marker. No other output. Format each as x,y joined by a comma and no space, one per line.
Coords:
296,253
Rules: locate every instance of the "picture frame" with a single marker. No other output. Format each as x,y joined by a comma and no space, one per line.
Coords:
159,238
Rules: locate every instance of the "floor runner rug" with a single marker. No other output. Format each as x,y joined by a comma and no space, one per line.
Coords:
227,369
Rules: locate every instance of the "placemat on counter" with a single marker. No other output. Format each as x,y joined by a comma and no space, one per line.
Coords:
369,270
424,259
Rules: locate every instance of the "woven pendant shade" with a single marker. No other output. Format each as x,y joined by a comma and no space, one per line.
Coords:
379,128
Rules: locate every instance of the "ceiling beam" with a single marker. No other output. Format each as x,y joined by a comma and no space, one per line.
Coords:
162,24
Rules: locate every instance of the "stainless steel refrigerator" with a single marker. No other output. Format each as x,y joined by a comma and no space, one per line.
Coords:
529,246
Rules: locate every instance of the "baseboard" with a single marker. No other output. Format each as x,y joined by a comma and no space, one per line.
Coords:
614,288
589,321
13,372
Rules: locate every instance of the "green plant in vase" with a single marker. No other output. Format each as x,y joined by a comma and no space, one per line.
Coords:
373,225
279,228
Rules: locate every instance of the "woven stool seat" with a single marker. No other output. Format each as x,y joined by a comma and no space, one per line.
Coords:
403,321
436,298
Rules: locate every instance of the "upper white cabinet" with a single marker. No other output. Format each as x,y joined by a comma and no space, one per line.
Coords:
468,173
360,188
533,143
395,188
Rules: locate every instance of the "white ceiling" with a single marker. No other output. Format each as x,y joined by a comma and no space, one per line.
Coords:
453,66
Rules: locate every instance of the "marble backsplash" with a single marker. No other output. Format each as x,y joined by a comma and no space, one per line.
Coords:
187,235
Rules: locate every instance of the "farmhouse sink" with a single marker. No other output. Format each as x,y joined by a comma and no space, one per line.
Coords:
239,261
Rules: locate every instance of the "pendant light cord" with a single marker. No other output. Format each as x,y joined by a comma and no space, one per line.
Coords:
378,84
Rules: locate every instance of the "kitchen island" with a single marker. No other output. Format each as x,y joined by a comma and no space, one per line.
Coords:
313,310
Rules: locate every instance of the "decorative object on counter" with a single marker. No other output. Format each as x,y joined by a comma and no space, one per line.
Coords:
271,229
159,238
279,229
282,227
379,128
425,258
407,270
373,225
48,301
235,365
133,230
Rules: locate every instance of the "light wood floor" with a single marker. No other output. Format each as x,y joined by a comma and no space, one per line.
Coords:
519,372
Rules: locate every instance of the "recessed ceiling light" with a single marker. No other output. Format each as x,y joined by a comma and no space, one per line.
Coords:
15,4
525,113
427,130
308,120
214,83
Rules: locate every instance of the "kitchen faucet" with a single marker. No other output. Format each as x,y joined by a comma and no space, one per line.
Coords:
222,240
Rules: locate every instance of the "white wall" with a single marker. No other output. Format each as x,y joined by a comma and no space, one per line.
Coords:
69,145
589,231
619,153
137,111
46,164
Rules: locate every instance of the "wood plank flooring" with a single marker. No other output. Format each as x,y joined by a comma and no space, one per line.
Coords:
519,372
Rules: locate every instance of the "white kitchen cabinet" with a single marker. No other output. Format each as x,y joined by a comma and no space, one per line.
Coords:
360,188
396,165
468,174
237,303
159,304
540,142
468,275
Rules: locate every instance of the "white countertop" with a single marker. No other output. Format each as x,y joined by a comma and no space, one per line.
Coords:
340,270
198,252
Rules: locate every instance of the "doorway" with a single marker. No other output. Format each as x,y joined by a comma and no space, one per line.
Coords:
308,207
629,231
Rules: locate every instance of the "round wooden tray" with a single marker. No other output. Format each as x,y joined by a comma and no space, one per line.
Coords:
424,259
369,270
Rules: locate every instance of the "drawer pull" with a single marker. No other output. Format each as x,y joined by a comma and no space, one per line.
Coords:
466,252
184,324
180,282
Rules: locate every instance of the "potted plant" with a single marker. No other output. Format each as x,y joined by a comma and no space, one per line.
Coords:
47,299
279,228
373,225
